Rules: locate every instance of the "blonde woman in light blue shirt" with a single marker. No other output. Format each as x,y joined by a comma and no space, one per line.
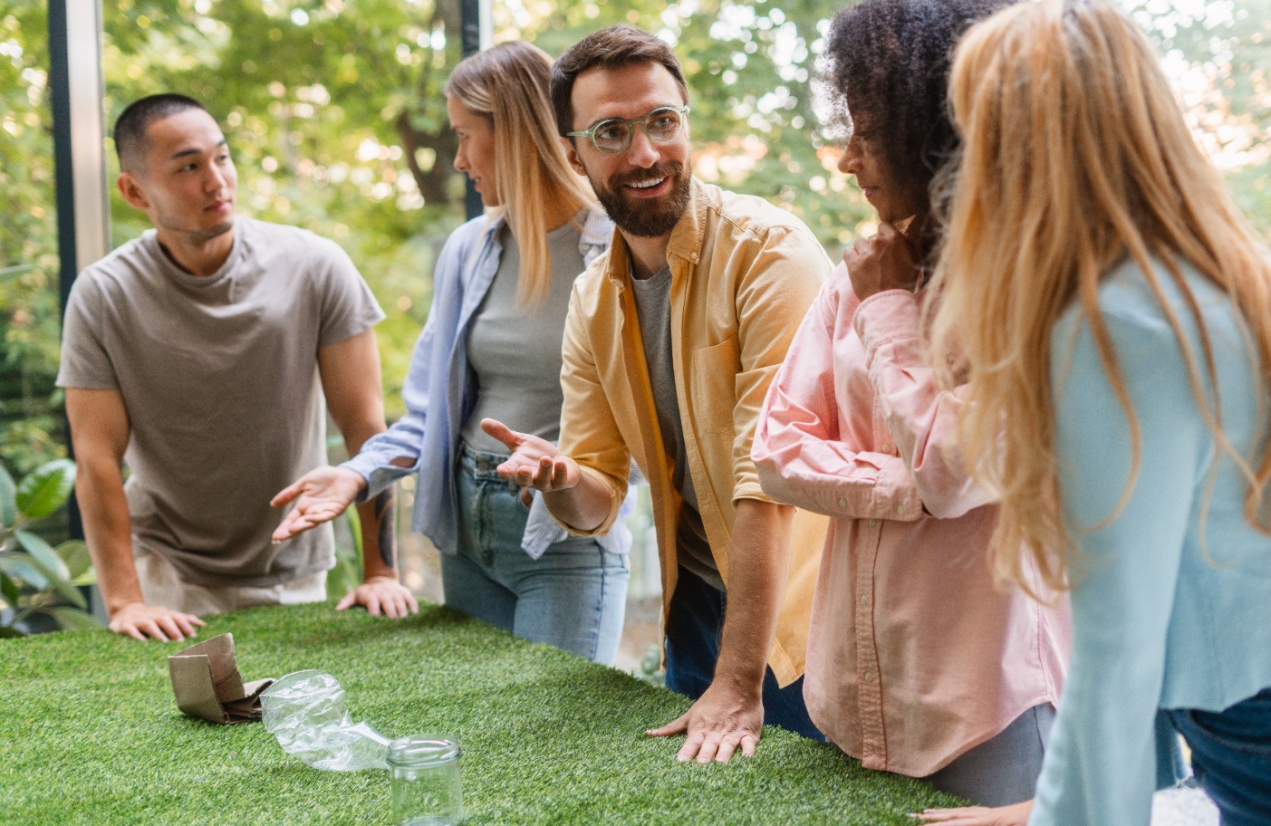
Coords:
1112,314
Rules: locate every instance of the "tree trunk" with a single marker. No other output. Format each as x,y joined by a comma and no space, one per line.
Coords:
433,181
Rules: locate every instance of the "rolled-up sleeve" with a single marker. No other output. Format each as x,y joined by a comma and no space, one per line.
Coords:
798,452
921,417
772,300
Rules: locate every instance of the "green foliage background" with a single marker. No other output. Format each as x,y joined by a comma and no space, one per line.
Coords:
335,118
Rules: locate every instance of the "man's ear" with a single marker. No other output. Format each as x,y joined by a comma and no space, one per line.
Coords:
571,154
130,188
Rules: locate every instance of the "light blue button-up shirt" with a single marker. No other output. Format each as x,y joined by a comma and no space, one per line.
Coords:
440,390
1162,616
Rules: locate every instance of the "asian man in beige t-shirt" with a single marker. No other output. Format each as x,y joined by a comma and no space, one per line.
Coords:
200,354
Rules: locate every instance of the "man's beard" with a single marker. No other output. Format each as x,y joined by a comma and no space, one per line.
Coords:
646,218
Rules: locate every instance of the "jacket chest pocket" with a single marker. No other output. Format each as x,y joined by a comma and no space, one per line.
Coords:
714,386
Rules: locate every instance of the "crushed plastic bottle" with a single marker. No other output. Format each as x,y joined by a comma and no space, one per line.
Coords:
305,710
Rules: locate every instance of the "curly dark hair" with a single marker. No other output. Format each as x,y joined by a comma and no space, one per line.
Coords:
886,64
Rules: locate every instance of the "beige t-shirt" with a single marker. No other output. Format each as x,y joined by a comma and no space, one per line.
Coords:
220,380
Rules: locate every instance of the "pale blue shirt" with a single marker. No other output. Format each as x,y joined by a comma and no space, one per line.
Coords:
440,389
1160,618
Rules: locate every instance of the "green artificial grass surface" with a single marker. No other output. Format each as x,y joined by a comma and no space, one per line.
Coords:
90,733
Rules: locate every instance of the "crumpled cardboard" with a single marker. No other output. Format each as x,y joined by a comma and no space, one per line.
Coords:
207,684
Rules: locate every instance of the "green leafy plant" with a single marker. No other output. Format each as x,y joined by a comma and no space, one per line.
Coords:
35,577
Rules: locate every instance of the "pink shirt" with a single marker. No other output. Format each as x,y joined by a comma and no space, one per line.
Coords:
913,655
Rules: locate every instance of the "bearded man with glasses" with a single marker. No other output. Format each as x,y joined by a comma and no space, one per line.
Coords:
670,344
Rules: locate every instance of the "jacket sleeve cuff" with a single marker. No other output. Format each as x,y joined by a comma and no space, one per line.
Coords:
616,497
379,476
750,490
885,317
896,496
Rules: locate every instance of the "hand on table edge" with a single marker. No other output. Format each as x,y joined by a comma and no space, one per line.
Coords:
381,596
721,721
320,495
136,620
1014,815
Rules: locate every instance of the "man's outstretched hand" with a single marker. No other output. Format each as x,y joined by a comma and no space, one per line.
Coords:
722,721
381,595
142,622
534,463
320,495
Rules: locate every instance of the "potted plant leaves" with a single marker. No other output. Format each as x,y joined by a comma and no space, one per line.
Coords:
37,581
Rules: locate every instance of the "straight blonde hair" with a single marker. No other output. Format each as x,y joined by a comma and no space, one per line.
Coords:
1075,158
508,85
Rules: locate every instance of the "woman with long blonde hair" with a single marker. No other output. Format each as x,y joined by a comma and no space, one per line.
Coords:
492,348
1113,315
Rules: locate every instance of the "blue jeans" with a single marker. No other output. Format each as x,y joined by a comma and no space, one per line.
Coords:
693,628
1231,755
573,597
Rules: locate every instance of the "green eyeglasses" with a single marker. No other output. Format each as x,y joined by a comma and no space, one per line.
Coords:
613,136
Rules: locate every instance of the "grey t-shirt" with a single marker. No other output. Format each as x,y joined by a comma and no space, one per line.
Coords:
516,352
653,306
220,380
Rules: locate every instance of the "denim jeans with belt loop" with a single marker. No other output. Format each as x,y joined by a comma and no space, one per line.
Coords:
573,596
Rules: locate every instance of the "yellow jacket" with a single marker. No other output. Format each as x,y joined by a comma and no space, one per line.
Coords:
743,274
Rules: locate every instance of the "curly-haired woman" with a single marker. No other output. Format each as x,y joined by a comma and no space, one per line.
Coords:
917,664
1110,305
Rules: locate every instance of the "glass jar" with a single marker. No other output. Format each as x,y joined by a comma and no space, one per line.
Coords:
424,773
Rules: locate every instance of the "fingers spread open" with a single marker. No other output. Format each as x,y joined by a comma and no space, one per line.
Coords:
287,494
727,746
691,746
709,748
543,473
677,726
498,430
169,626
183,622
152,628
560,473
132,631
